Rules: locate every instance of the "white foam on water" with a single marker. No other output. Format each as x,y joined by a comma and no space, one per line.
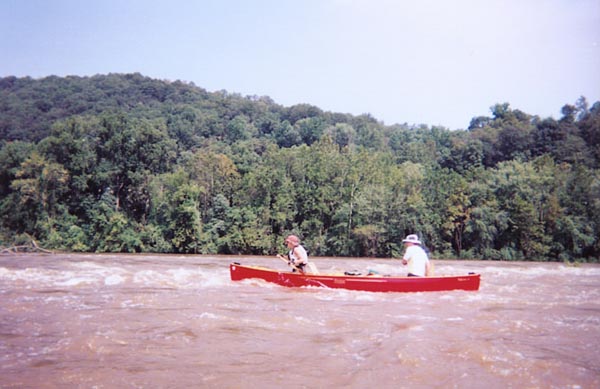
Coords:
304,320
209,315
368,296
72,275
88,266
145,277
29,275
202,278
182,278
72,280
540,269
583,270
334,294
114,279
130,304
255,282
471,297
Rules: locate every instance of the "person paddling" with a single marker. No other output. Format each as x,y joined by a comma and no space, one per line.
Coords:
297,256
415,257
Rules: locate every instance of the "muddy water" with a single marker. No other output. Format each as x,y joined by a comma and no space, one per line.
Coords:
156,321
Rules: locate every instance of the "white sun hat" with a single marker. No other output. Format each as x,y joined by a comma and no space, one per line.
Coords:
412,238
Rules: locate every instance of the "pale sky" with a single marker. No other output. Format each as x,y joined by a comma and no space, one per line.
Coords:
433,62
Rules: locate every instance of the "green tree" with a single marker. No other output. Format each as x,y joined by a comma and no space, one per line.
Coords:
522,192
589,127
119,235
286,135
215,174
457,216
341,134
185,221
40,184
239,128
310,129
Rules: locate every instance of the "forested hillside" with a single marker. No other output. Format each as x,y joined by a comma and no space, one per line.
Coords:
125,163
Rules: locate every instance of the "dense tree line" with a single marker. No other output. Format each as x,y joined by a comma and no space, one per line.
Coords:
125,163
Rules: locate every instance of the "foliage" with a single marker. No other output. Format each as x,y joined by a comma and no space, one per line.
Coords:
125,163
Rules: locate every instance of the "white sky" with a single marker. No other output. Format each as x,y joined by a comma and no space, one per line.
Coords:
434,62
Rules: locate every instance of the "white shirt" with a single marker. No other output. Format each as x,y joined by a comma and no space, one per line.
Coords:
417,260
302,257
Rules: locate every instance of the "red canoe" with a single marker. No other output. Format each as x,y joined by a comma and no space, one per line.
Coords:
375,283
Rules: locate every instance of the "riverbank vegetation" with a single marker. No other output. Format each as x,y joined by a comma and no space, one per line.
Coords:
125,163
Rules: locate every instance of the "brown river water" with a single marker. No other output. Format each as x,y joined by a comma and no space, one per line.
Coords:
168,321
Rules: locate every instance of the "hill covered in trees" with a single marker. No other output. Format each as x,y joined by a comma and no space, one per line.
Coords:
126,163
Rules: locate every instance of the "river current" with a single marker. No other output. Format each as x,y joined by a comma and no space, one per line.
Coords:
168,321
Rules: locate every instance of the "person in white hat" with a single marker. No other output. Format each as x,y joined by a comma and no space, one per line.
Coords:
415,257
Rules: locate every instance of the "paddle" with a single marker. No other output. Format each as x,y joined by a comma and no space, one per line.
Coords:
289,263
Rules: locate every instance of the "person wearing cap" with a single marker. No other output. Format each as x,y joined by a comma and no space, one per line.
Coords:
297,256
415,257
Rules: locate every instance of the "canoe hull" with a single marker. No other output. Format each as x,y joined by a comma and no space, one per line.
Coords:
363,283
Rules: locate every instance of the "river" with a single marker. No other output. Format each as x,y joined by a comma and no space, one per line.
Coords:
169,321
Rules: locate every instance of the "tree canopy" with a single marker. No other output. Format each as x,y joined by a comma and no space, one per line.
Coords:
126,163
